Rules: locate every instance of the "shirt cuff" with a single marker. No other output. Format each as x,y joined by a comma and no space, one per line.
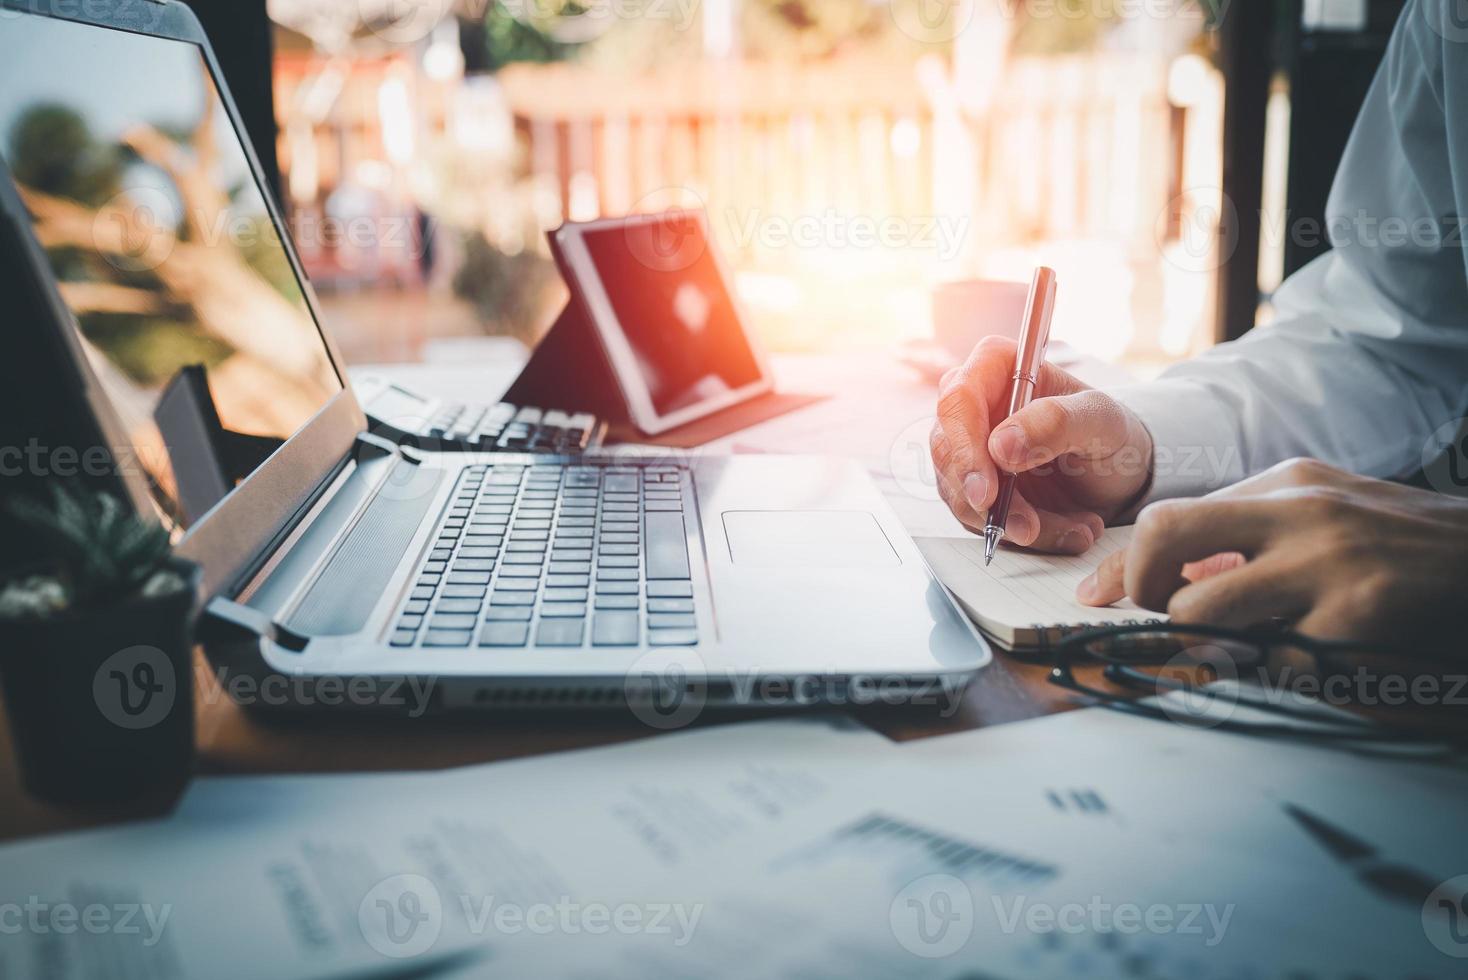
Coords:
1195,447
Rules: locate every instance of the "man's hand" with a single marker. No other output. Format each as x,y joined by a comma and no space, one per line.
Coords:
1339,556
1082,456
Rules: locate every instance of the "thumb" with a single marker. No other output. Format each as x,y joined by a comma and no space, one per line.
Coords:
1088,424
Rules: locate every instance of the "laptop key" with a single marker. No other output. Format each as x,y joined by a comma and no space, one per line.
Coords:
565,595
519,571
562,610
459,605
504,634
618,549
616,602
519,614
567,581
517,584
512,599
667,547
453,621
416,606
670,590
464,591
617,575
617,537
559,633
616,588
577,555
664,505
468,578
403,638
448,638
524,558
615,629
569,568
671,621
670,605
672,638
618,561
474,565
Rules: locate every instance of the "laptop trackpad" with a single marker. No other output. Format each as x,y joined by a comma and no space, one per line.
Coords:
807,539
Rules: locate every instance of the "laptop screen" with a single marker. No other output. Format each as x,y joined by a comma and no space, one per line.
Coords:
142,197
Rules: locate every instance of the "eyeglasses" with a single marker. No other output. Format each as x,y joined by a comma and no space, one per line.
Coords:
1272,683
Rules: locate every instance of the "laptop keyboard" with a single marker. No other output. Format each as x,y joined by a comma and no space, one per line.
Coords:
505,428
557,556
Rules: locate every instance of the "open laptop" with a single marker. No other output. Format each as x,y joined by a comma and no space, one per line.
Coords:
334,554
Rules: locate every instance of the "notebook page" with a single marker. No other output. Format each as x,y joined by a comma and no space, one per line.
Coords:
1021,590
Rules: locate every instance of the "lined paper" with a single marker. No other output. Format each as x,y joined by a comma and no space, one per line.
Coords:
1022,595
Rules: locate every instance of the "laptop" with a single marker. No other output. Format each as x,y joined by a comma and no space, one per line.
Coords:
338,560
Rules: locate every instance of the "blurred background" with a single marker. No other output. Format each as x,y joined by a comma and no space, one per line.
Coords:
852,155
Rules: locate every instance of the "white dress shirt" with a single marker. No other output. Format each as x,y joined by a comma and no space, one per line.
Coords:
1367,359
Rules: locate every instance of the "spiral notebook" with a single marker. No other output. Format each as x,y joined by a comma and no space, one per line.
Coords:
1027,601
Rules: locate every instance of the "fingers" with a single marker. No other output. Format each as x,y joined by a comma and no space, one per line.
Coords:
1172,535
1107,584
970,398
1246,596
1088,424
1060,534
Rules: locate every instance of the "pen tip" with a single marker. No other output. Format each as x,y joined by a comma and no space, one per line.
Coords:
991,538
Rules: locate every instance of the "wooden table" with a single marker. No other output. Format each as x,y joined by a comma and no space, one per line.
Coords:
877,411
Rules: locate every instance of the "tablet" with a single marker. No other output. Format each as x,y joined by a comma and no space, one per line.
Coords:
658,294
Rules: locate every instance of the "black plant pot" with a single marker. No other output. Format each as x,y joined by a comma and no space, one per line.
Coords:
101,701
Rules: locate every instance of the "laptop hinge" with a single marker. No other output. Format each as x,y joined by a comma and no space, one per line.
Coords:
369,446
225,620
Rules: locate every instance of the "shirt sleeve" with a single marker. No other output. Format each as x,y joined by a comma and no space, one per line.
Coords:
1366,363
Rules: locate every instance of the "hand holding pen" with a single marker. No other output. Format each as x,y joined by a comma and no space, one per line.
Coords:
1074,458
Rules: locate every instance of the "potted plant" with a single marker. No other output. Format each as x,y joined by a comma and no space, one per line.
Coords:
95,652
